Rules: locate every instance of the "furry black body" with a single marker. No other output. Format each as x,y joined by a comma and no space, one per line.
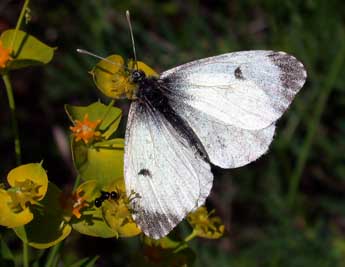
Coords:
152,95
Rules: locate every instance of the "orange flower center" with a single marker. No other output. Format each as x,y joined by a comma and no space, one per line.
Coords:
4,56
85,130
78,205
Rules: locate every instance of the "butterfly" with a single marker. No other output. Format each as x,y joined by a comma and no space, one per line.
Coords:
219,110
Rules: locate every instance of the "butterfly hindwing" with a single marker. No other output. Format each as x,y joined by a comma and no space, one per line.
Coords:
227,146
169,177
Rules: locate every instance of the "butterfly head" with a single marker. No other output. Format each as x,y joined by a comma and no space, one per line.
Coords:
137,76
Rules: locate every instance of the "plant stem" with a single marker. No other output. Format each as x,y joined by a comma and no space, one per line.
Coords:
76,183
190,237
19,22
314,123
25,255
52,254
12,105
110,105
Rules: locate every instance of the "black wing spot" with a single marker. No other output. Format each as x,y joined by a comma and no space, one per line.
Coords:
238,73
145,172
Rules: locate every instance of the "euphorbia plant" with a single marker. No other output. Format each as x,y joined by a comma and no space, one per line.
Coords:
43,215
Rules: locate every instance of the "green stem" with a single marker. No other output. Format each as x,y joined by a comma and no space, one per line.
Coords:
12,105
183,244
314,123
52,254
190,237
76,183
110,105
25,255
19,22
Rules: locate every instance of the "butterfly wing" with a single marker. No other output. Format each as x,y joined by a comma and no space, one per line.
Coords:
232,101
249,90
168,175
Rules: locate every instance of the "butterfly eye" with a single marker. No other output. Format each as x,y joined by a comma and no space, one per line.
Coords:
137,76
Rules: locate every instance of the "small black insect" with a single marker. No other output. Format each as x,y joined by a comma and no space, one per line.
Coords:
105,196
114,195
98,202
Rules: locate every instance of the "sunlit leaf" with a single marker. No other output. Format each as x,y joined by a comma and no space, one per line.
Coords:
113,79
91,222
110,116
27,50
103,162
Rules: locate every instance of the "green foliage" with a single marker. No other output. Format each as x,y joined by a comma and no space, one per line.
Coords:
91,222
48,227
104,159
26,49
86,262
6,256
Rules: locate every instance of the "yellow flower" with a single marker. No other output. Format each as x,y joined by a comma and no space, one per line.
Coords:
4,55
85,130
205,224
29,184
116,212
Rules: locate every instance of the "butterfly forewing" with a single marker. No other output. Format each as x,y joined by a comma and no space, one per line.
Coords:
249,90
169,177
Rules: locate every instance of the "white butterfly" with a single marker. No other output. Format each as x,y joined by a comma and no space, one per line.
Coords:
220,110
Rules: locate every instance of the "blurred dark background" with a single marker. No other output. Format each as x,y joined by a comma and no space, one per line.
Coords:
268,222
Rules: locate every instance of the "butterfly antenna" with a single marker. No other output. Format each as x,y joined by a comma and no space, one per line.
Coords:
85,52
128,16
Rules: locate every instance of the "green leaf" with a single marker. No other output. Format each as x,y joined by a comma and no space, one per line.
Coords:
110,116
27,50
92,223
6,256
102,162
48,227
86,262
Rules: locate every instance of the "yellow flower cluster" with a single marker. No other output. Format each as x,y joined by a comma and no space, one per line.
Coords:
116,213
205,224
29,185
